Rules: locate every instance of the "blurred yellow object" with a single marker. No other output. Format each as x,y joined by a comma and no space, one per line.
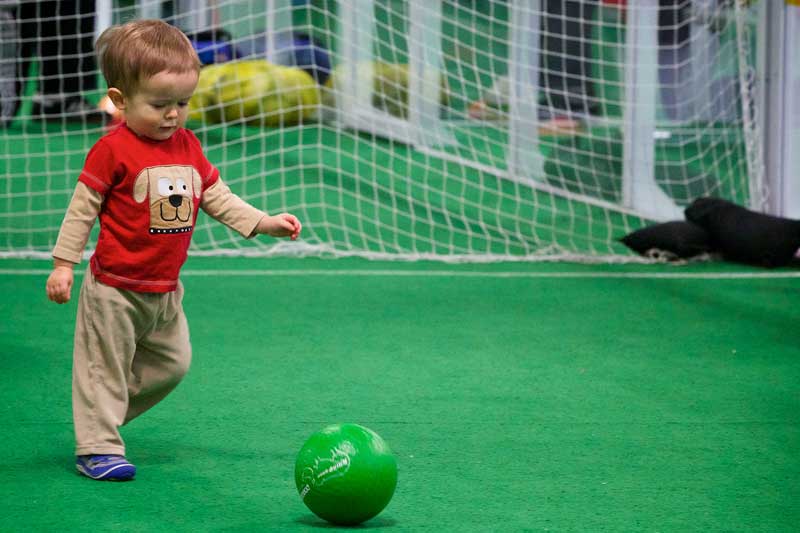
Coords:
389,85
256,92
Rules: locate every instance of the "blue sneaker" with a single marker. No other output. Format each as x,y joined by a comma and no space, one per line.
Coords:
105,467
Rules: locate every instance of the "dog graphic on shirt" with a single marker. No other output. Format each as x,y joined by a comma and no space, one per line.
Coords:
170,189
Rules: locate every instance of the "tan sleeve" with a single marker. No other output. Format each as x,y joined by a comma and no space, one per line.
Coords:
221,204
77,225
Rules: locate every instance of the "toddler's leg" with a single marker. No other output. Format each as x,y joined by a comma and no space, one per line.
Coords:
105,333
162,357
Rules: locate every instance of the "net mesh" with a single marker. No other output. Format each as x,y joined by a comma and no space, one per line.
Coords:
476,131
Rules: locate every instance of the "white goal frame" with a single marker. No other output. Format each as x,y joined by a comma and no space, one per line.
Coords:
641,195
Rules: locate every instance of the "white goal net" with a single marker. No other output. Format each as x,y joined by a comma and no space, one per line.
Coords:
452,130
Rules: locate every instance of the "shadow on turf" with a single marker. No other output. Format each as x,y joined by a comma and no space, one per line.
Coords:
375,523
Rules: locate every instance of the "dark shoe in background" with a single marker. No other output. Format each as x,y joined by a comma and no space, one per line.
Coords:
71,109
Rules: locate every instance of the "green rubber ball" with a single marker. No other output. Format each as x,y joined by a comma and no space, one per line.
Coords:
345,474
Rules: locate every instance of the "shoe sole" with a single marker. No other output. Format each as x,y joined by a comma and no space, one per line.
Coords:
124,472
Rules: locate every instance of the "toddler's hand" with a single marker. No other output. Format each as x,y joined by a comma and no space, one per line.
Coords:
59,284
283,225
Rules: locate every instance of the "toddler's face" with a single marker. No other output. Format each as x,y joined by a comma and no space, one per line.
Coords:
160,105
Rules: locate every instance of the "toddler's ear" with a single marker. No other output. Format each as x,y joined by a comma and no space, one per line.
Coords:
140,186
117,98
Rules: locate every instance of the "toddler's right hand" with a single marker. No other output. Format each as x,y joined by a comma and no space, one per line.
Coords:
59,284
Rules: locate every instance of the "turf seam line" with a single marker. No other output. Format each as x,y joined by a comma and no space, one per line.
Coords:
455,274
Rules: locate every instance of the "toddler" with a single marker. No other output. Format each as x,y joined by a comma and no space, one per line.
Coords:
145,180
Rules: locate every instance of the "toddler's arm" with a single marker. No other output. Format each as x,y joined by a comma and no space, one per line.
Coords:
75,229
222,205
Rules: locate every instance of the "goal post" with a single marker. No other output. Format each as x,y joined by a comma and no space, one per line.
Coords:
781,102
421,125
523,76
435,129
640,192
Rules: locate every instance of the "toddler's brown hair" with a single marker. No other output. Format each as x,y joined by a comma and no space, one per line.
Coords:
131,52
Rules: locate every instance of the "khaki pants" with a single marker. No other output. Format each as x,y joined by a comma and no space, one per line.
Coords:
131,350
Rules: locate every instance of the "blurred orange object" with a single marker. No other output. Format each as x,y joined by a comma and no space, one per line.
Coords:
115,116
560,127
480,110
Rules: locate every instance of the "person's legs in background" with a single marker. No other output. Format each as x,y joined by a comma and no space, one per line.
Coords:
60,36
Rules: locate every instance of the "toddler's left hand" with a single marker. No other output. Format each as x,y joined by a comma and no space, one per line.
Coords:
283,225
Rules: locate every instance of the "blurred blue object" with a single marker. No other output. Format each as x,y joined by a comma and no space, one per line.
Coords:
213,46
291,50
